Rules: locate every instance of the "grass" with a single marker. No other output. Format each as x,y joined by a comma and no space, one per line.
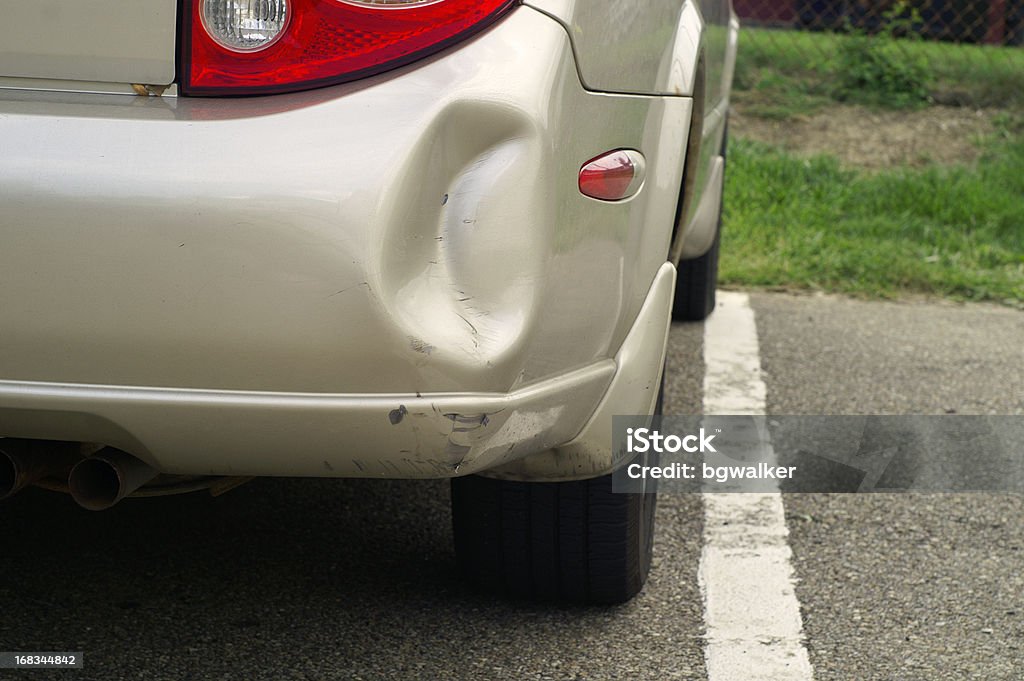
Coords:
812,224
798,223
784,73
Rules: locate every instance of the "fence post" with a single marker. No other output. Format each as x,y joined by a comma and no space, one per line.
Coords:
996,33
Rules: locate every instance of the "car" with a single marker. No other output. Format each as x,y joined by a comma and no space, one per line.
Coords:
360,239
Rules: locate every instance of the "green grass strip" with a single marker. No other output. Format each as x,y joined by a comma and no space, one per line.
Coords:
812,224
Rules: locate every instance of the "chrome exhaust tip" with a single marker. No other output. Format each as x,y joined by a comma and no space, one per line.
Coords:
12,475
102,480
23,462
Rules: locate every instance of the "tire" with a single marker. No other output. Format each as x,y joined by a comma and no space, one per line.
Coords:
576,542
697,279
564,541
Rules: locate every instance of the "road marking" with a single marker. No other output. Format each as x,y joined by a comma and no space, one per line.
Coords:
753,629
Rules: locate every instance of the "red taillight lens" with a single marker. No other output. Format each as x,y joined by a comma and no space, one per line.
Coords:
326,42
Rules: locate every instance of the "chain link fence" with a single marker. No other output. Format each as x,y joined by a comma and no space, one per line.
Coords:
998,22
963,52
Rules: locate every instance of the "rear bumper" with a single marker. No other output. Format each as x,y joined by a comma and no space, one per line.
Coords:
203,432
252,286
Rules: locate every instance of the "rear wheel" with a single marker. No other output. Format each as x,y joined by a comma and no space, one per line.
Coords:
572,541
567,541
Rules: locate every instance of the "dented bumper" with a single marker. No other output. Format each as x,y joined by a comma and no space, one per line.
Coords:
199,432
516,435
361,280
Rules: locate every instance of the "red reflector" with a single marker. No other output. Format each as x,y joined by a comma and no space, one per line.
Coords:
328,42
613,176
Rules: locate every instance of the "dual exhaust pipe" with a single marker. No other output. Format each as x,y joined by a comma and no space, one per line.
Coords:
95,483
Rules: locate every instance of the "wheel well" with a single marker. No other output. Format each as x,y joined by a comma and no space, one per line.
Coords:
694,139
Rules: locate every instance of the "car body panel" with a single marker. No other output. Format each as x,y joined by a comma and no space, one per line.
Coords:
634,389
112,41
621,47
248,433
280,268
653,48
719,40
701,206
703,225
454,255
668,48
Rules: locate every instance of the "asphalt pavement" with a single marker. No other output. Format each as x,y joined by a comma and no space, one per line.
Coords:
329,579
902,586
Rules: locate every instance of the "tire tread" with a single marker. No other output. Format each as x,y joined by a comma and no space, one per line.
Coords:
565,541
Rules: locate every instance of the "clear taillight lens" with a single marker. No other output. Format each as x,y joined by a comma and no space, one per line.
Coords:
245,25
265,46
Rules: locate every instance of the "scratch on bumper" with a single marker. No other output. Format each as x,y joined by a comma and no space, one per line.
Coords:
305,434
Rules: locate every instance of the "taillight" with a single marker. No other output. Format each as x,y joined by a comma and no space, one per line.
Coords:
240,47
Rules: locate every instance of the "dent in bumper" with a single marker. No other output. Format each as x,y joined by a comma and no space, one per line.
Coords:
634,390
201,432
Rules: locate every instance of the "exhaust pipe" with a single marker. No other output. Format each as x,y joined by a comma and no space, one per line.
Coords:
107,477
23,462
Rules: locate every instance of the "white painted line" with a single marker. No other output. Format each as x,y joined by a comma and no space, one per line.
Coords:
751,614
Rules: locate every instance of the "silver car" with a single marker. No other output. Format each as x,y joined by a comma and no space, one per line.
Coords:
359,238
